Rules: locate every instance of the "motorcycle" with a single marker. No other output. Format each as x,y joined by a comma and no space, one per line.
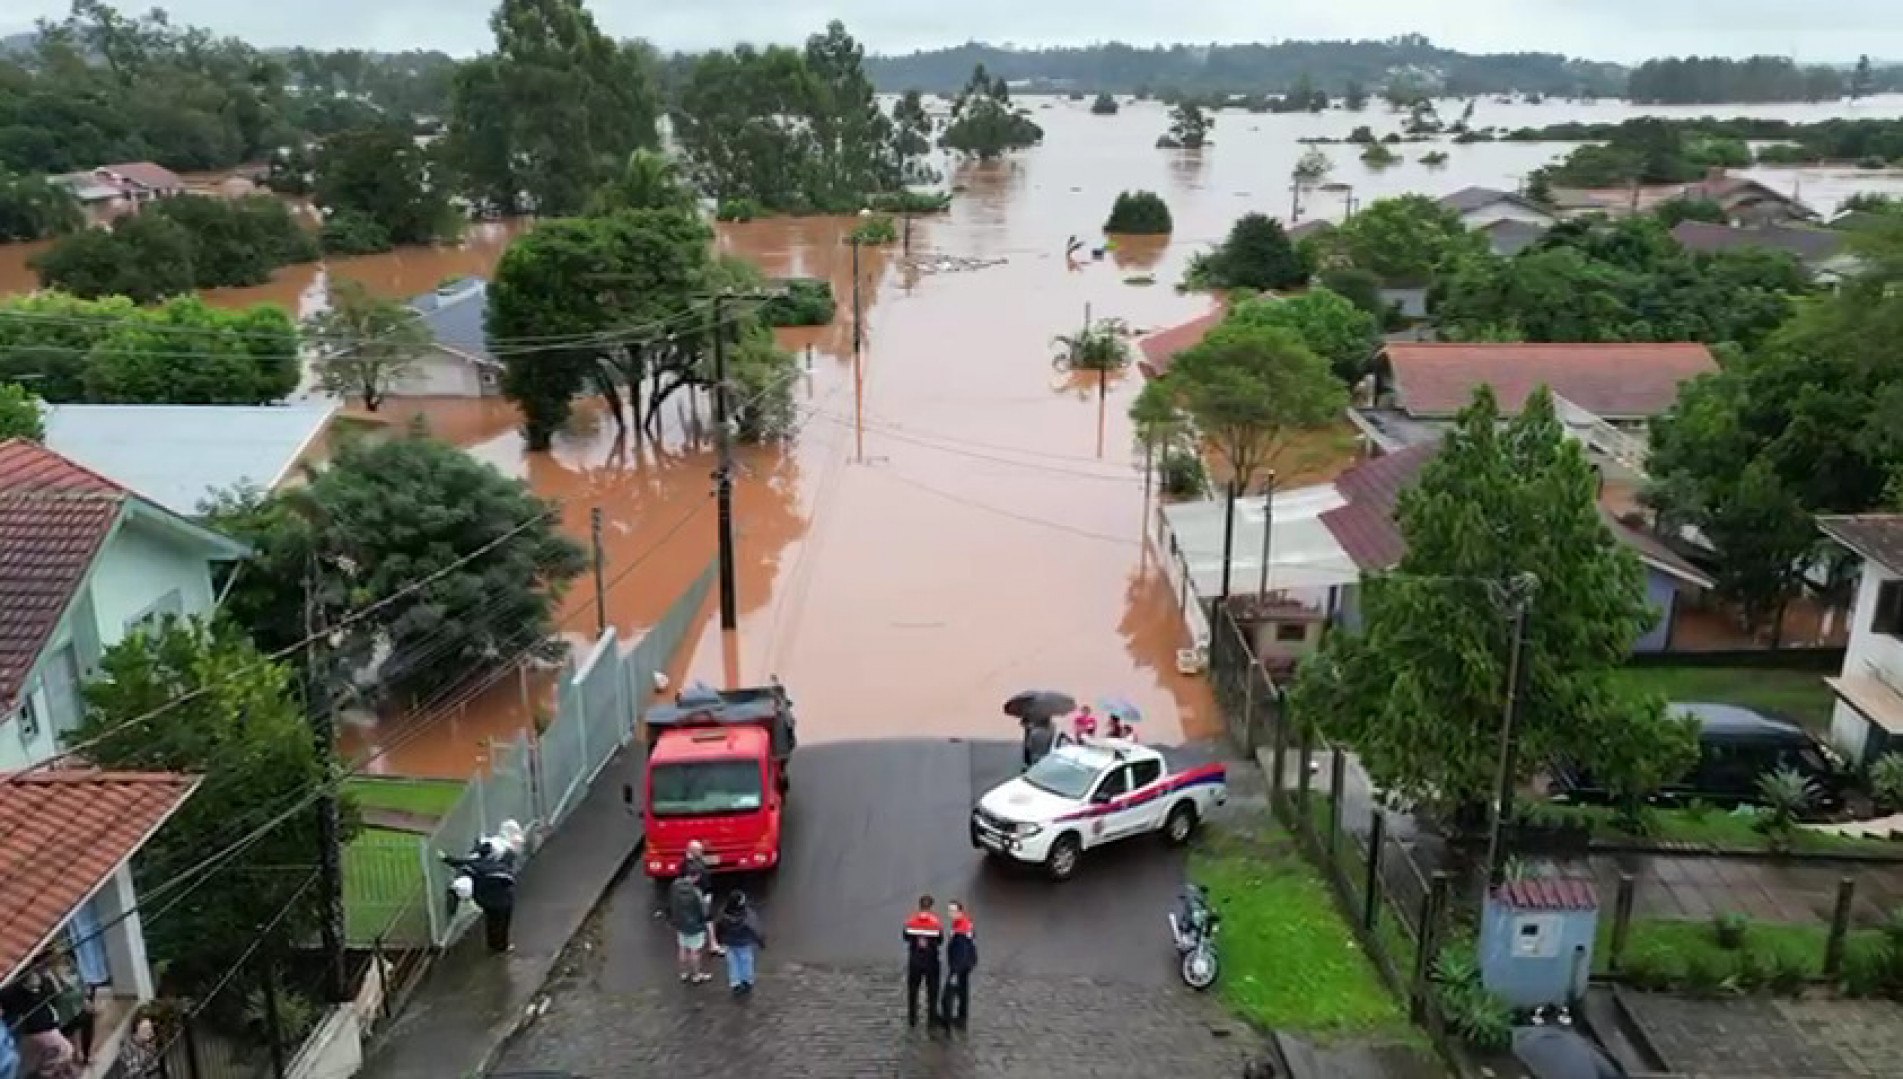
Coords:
1193,924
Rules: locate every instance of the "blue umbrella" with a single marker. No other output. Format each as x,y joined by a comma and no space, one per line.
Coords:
1121,709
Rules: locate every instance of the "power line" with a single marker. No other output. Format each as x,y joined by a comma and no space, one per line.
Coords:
1035,466
1026,518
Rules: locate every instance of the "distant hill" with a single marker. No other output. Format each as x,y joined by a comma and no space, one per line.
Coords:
1252,68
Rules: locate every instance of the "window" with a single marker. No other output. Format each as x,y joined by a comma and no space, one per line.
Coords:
60,679
1286,632
1115,785
29,718
1144,773
1888,619
152,617
704,788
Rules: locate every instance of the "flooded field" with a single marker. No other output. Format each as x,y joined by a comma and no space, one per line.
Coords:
990,537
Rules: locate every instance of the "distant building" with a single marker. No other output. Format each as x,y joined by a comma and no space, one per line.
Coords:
110,192
1823,252
1160,349
458,363
1480,207
1509,236
1747,201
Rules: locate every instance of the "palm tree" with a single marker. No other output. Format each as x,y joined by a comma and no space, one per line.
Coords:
1099,347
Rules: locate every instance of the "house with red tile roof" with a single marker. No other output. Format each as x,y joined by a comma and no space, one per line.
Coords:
1161,348
83,562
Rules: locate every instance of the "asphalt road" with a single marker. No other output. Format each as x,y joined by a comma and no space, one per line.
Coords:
872,826
1074,979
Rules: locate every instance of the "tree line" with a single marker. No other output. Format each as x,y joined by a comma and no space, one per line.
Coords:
1699,80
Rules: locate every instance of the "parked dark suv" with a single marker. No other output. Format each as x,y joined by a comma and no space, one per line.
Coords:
1736,746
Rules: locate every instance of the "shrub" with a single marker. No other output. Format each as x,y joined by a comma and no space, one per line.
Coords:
738,210
1379,156
1479,1016
910,202
351,233
1868,967
807,301
873,231
1707,973
1787,795
1140,213
1729,931
1788,972
1434,159
1181,473
1650,968
1105,105
1886,781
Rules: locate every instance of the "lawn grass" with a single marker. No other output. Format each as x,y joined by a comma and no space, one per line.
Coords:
383,872
423,797
1289,961
1801,695
1714,827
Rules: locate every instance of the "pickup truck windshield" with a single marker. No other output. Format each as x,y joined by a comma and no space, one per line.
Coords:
704,788
1062,776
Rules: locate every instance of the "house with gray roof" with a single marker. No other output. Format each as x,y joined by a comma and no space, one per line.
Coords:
180,456
1823,252
458,363
1480,207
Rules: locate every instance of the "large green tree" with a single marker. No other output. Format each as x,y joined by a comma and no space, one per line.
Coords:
1189,127
144,258
649,181
1403,239
1256,256
231,717
912,129
1418,691
559,106
190,353
379,519
365,344
1326,322
1248,388
381,175
639,270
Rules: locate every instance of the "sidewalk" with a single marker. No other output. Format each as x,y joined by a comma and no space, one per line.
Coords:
470,1003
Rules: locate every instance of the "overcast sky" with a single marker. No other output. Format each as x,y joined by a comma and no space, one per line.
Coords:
1600,29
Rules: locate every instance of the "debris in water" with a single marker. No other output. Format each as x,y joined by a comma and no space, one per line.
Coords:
949,263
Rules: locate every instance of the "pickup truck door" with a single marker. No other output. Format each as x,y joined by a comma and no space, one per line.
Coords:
1146,814
1106,822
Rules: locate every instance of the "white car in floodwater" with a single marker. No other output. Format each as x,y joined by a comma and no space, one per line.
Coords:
1084,795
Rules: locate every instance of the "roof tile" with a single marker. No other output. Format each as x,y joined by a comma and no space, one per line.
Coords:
1547,893
62,834
1878,537
1161,349
1614,381
54,515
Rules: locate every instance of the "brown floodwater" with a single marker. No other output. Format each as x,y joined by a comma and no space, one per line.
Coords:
989,536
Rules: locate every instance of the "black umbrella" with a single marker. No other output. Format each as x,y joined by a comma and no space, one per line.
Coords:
1040,705
1560,1053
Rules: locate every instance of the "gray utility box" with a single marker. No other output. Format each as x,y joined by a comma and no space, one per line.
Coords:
1536,941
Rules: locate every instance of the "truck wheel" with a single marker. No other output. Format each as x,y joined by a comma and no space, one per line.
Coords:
1180,826
1066,853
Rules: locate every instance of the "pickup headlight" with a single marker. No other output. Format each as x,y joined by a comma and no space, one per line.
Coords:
1022,829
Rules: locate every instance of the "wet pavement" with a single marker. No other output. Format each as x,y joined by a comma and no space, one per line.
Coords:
1073,980
1772,1039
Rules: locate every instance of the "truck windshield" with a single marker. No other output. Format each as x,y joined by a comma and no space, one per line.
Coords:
1060,775
701,788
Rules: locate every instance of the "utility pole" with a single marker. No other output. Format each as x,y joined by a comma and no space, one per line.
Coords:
601,591
858,363
1520,596
1228,539
324,734
908,232
1268,531
723,477
1295,201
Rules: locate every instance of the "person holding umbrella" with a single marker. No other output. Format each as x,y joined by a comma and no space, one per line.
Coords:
1121,717
1036,710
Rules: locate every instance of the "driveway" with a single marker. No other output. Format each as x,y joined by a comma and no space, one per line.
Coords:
1073,980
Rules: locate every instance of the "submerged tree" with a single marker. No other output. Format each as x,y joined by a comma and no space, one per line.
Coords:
365,344
985,124
912,129
1189,127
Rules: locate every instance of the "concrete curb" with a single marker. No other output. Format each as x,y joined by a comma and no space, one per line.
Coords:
528,1015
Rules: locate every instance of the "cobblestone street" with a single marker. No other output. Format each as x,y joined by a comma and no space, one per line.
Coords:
833,1023
1762,1039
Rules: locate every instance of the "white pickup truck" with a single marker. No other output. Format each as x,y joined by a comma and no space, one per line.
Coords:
1084,795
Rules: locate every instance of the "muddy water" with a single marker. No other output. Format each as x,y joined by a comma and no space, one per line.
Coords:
981,531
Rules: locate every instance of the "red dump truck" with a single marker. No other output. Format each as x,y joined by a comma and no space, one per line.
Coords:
716,772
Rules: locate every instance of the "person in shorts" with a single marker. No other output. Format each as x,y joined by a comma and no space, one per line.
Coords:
687,913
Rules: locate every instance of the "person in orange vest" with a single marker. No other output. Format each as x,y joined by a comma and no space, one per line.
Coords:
924,935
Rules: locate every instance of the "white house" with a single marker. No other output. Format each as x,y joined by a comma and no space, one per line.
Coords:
1867,721
458,363
1480,207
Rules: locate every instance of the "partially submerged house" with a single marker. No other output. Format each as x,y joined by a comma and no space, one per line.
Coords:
458,363
1867,720
1824,252
1748,202
1480,207
180,456
110,192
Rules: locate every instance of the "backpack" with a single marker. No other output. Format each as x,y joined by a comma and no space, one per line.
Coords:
685,907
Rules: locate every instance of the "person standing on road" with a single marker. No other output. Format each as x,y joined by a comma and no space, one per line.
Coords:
961,958
741,930
924,934
687,913
694,867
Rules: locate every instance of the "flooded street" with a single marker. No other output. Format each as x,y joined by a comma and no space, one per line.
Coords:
990,538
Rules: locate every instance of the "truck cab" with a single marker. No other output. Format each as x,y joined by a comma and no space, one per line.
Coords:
716,773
